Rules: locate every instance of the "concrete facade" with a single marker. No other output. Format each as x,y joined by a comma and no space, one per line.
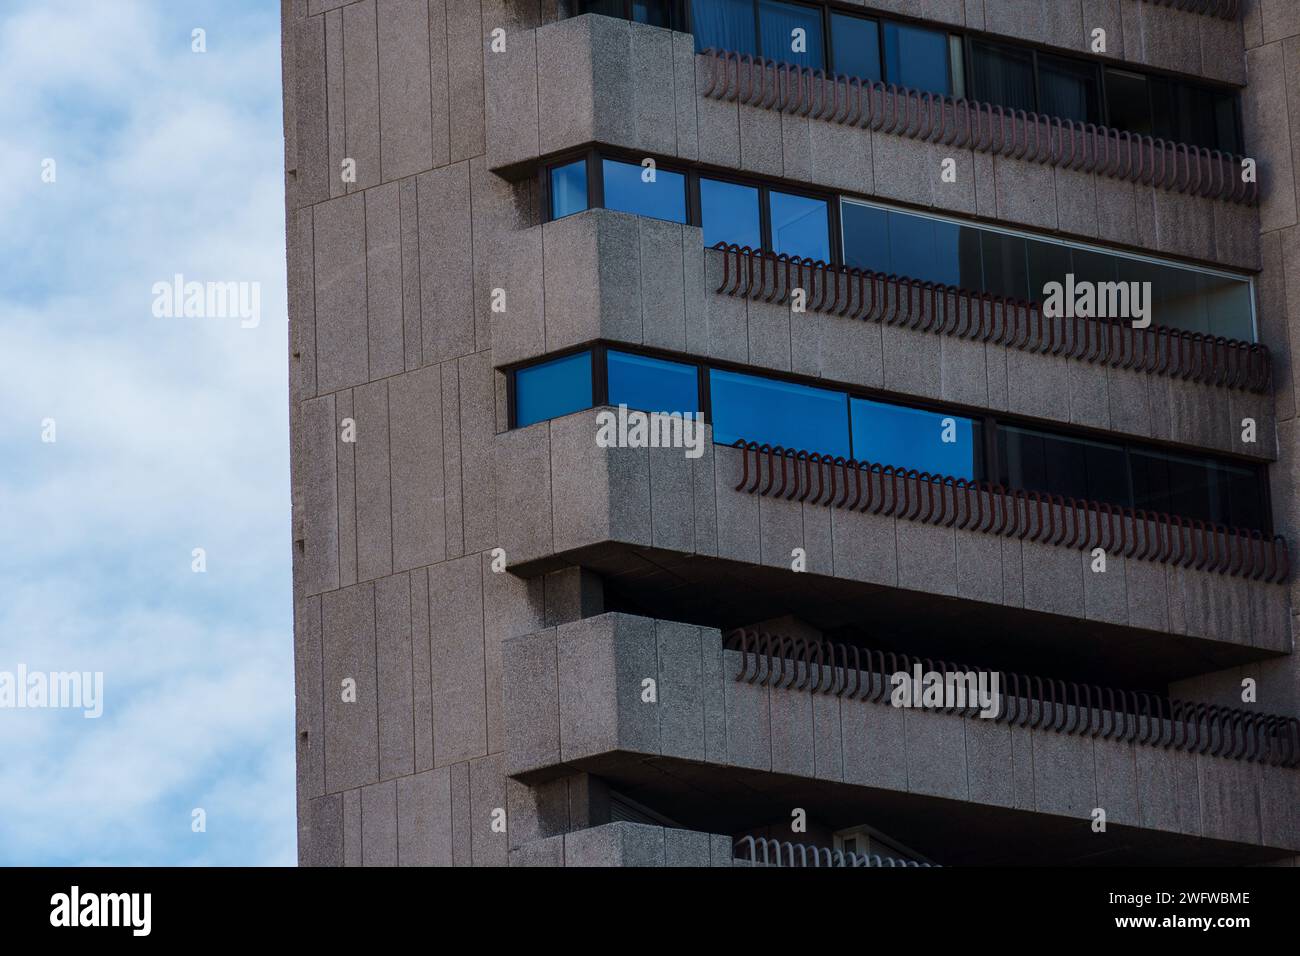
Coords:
477,608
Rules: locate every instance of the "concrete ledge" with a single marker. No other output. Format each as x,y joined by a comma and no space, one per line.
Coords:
627,844
650,80
624,279
562,499
597,717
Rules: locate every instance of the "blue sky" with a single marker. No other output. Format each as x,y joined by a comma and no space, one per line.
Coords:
171,434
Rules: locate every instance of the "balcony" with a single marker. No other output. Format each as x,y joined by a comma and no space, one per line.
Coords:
735,738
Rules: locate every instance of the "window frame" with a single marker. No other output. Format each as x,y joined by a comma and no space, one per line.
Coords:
1067,243
692,176
989,462
1098,65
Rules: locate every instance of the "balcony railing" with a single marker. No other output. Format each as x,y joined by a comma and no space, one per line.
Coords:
897,300
764,851
814,478
850,672
983,127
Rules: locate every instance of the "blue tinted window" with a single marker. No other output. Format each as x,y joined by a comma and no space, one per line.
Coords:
729,213
791,33
866,236
627,191
651,384
568,189
913,438
778,413
916,58
551,389
856,43
800,227
724,25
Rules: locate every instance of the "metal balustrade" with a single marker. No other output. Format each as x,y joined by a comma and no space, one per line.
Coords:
983,127
817,479
860,294
850,672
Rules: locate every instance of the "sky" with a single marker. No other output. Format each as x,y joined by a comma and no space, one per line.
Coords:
169,434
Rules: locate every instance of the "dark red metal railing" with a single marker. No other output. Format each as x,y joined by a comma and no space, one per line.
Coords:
983,127
771,852
850,672
834,481
846,292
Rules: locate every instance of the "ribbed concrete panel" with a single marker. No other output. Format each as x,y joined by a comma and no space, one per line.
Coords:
419,515
406,107
341,333
351,706
361,93
456,624
374,482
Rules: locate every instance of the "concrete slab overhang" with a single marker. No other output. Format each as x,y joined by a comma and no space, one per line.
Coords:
730,755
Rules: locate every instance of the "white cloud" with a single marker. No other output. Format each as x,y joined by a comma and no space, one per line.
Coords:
172,434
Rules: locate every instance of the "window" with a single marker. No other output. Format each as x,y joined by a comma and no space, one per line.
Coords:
917,58
651,384
1011,264
790,33
729,213
552,389
627,190
1062,465
770,410
778,413
1069,89
657,13
1003,75
1199,488
1129,101
724,25
905,437
800,226
856,46
568,189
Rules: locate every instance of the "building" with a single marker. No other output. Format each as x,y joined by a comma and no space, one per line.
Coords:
992,340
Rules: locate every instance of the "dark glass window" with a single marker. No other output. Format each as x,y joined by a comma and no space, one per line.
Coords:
1129,101
1062,465
778,413
1199,488
608,8
724,25
1006,264
916,58
657,13
785,26
729,213
551,389
865,234
800,226
627,190
1002,75
912,438
651,384
568,189
1068,89
856,46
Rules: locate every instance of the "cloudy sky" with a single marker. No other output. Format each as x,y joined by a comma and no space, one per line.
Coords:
170,434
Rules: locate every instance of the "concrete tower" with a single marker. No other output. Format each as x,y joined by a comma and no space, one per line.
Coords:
987,307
